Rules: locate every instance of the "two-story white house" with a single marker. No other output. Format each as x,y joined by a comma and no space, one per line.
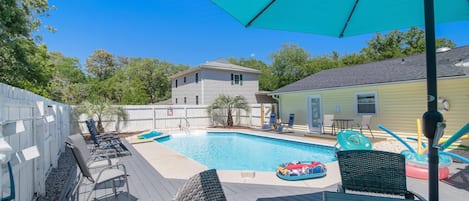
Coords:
202,84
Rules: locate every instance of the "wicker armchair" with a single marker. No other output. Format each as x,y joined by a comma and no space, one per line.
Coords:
374,172
204,186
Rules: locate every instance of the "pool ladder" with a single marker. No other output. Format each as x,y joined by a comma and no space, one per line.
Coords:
184,127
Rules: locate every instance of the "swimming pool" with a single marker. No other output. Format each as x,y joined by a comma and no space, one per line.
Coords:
241,151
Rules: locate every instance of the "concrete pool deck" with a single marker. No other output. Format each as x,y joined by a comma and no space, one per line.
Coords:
173,165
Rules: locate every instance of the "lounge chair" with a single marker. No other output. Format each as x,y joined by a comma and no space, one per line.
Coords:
93,160
106,173
272,122
374,172
202,186
327,121
287,126
105,142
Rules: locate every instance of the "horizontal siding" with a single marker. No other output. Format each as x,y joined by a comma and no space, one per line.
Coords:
218,82
399,105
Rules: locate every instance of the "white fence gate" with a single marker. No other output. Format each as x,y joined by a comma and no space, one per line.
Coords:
36,128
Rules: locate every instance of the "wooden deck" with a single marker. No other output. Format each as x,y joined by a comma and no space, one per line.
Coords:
148,184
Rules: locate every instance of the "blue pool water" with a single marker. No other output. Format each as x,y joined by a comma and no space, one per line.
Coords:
238,151
148,135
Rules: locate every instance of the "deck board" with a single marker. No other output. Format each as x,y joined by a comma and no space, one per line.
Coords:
148,184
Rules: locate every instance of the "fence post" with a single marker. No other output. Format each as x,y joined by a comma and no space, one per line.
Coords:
154,118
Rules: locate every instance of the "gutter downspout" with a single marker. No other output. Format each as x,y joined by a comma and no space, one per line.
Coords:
277,98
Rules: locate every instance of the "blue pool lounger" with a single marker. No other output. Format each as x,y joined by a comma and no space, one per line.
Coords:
149,134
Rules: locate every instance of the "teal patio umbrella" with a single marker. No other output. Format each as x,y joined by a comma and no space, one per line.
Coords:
340,18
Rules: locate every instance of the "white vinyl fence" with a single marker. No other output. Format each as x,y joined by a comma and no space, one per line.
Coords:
35,128
146,117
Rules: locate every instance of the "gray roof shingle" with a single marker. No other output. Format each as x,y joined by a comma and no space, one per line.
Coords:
221,64
391,70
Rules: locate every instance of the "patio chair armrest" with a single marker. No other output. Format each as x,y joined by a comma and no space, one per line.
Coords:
419,197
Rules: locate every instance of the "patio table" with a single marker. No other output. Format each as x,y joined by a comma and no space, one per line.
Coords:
342,123
336,196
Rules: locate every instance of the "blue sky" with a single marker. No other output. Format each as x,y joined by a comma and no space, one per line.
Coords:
187,32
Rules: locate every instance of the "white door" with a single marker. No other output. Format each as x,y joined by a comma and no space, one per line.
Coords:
314,107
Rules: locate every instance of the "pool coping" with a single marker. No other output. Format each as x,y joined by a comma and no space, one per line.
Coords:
173,165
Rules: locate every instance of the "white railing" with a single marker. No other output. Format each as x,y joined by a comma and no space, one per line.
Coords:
35,128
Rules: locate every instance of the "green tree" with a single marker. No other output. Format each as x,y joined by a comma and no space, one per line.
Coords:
398,44
22,61
101,110
101,64
150,76
289,64
67,79
224,104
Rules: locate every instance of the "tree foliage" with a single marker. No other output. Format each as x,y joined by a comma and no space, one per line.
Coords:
101,64
224,105
68,83
398,44
23,63
102,110
289,64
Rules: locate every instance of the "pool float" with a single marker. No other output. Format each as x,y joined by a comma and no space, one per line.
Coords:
352,140
420,172
417,165
149,134
299,170
417,162
421,160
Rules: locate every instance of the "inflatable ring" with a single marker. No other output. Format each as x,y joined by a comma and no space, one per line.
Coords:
421,160
445,105
422,172
353,140
299,170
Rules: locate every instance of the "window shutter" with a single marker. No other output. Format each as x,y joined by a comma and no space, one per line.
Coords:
232,79
241,79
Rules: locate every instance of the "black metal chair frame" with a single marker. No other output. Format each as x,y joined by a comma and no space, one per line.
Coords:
374,172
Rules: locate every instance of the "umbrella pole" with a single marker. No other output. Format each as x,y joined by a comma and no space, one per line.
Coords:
432,116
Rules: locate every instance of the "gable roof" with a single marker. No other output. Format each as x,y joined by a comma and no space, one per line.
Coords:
391,70
221,64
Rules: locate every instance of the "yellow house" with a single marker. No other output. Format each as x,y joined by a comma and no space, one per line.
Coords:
392,91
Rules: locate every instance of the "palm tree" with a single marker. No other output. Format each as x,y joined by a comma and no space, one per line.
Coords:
102,110
226,104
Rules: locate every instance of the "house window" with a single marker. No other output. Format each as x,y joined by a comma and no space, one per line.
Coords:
366,103
196,77
176,83
176,101
236,79
196,100
184,79
185,100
